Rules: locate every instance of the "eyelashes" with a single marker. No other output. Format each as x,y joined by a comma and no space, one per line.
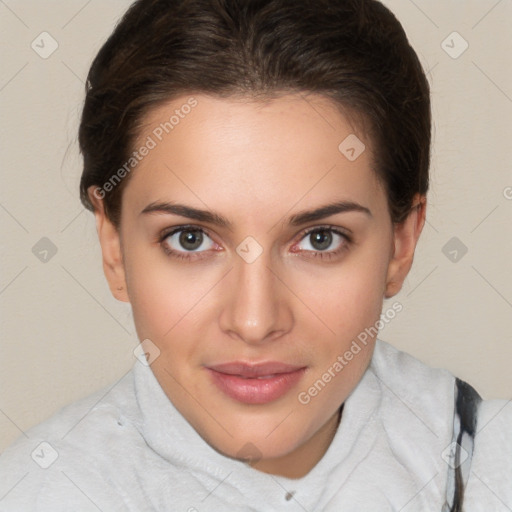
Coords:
184,243
193,236
321,235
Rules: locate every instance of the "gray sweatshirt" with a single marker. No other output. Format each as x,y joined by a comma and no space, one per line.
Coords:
127,448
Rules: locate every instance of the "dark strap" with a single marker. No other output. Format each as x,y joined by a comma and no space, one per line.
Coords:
460,453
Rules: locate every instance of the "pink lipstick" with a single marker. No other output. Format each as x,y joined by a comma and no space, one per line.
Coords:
255,383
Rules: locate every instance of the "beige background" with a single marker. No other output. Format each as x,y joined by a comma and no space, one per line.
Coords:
64,336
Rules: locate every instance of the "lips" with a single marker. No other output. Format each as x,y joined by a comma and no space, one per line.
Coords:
250,371
255,383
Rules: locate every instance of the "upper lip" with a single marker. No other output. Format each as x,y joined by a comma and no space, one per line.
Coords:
254,369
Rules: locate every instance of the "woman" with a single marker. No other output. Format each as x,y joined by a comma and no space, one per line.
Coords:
258,172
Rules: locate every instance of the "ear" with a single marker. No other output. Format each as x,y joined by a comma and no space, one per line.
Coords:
405,238
110,242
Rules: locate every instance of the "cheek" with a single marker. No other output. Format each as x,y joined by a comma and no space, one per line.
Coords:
169,300
348,297
350,304
156,292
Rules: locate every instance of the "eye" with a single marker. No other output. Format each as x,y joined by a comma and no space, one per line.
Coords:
185,240
323,242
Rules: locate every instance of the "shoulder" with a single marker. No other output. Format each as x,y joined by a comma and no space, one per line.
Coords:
51,466
414,420
490,479
412,380
416,396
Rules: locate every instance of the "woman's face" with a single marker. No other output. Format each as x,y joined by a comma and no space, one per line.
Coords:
250,236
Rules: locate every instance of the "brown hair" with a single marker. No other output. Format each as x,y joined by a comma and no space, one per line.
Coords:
352,51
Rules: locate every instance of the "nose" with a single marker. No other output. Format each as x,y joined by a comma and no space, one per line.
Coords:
257,308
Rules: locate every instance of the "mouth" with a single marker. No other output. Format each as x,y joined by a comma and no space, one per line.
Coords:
255,383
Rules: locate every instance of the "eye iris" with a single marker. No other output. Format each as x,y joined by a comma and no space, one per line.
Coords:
191,240
321,240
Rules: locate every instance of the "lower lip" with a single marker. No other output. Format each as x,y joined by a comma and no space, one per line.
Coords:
256,391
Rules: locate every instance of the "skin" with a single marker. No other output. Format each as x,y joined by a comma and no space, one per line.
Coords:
257,164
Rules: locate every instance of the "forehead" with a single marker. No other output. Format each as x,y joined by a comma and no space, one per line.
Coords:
240,152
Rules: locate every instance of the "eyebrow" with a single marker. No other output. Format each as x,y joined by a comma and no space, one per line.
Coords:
216,219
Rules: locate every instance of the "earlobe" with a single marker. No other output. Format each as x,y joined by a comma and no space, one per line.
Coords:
405,238
110,242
